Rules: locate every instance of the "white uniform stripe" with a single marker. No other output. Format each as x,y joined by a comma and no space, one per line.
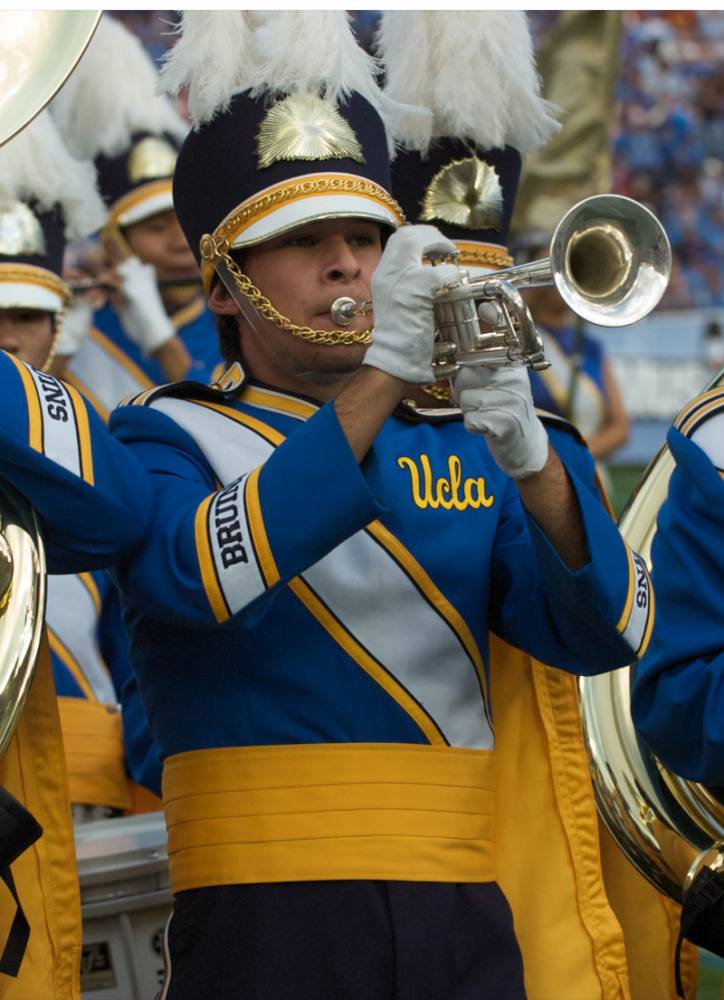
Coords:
413,643
635,628
209,429
709,436
71,614
237,569
105,377
60,428
418,647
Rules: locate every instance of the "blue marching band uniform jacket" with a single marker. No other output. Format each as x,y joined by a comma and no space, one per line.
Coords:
678,698
310,635
110,366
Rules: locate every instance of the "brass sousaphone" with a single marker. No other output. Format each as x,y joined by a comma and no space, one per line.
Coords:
38,51
667,827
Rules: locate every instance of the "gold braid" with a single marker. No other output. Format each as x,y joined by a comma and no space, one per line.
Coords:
265,309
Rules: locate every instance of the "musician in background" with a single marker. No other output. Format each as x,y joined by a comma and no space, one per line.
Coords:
580,384
155,326
678,694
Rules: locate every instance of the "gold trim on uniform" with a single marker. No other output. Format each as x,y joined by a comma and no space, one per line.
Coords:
465,193
305,127
294,813
28,274
93,743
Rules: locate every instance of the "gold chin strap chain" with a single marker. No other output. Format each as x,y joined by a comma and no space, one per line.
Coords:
443,393
265,309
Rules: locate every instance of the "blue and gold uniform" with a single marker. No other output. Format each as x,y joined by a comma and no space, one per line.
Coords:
92,496
682,677
336,588
110,366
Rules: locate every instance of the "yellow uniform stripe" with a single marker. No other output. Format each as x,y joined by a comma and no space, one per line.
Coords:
69,661
296,407
436,598
268,433
206,562
35,421
265,557
714,404
363,659
84,435
649,623
123,360
90,585
688,410
626,613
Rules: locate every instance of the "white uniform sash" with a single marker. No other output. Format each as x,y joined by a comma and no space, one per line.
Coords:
588,401
105,373
379,599
72,615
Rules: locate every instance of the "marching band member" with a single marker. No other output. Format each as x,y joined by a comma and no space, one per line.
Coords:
678,695
463,178
92,498
309,614
155,326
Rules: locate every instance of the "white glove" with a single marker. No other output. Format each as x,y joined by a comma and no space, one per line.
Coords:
497,402
141,312
402,295
76,325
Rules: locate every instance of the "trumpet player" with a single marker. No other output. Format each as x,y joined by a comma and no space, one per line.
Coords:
309,613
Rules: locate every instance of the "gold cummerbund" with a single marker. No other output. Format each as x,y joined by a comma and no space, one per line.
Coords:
93,742
329,811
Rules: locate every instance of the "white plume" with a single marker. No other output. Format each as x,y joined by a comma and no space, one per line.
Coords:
212,57
221,53
36,166
473,69
111,94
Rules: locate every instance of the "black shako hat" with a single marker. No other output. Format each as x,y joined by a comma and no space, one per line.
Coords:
467,192
474,70
263,167
288,130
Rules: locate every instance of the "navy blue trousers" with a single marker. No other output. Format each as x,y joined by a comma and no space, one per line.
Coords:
343,941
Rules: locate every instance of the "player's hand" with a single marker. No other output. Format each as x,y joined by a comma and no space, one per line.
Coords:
497,403
402,296
140,309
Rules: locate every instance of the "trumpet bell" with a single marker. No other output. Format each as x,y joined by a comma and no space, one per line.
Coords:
610,260
39,49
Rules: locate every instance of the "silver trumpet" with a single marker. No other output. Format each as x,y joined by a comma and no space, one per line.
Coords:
609,258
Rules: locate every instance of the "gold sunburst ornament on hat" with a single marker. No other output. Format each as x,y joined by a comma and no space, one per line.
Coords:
305,127
151,158
465,193
21,234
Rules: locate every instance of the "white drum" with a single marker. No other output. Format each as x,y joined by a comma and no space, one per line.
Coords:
126,901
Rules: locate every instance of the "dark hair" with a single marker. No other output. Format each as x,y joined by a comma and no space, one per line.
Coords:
229,339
